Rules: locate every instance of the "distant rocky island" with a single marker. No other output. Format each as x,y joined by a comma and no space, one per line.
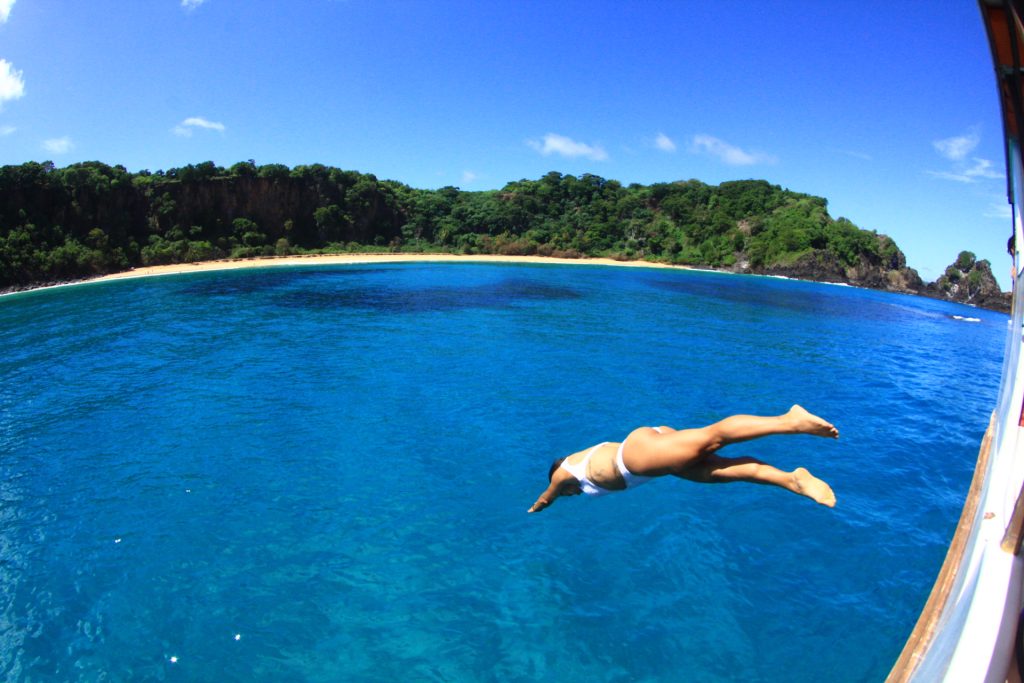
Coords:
89,219
967,280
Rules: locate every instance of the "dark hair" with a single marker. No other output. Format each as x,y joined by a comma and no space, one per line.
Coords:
554,466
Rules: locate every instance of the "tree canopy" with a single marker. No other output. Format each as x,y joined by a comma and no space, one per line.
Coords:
91,218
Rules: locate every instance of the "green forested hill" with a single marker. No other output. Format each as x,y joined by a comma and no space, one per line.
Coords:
90,218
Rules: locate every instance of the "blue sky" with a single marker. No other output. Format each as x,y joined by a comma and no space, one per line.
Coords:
888,110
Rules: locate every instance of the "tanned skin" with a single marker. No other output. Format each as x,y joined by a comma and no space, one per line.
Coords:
693,454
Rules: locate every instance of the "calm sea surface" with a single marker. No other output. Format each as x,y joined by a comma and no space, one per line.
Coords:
322,474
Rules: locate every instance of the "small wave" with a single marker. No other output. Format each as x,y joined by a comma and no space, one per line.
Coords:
966,320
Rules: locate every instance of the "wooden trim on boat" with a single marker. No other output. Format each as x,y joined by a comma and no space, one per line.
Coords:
924,631
1015,529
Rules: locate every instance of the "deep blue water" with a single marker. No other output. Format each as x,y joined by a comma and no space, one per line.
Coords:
322,474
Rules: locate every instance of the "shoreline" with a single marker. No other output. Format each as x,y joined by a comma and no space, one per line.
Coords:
383,257
340,259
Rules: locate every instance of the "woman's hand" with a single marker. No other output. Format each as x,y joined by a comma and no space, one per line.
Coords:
541,503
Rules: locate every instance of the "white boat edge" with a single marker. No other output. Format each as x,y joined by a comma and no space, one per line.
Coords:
968,630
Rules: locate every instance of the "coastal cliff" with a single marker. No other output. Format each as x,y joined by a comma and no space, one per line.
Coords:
966,281
969,281
869,270
88,219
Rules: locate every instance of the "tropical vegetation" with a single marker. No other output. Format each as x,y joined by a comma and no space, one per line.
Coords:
92,218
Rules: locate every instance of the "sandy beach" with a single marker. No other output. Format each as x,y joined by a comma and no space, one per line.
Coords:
350,259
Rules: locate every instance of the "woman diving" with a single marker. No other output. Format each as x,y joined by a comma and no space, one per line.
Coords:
650,452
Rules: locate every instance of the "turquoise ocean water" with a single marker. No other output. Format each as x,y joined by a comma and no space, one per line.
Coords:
322,474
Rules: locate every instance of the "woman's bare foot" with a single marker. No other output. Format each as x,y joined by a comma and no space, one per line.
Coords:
806,423
806,484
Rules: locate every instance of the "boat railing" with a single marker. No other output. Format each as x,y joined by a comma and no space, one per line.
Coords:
946,585
966,629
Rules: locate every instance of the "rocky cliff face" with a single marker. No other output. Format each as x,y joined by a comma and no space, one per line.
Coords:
823,266
273,203
966,281
969,281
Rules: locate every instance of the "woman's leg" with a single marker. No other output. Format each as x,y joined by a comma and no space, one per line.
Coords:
746,427
649,453
714,469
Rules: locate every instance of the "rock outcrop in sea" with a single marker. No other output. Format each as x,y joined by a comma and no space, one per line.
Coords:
969,281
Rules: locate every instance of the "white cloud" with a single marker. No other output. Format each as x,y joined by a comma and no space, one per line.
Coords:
186,127
1001,211
468,177
946,175
664,143
728,154
187,4
11,84
6,130
5,9
567,147
58,145
957,148
963,170
982,168
203,123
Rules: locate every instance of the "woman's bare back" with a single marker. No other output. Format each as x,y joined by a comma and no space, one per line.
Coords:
601,469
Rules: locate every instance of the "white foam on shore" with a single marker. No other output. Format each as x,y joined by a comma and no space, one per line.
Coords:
344,259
